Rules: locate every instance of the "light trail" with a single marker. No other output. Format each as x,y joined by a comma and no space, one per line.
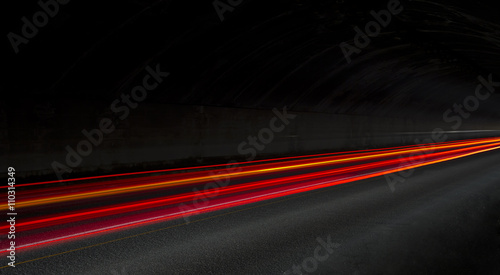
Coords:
235,163
102,211
360,166
269,168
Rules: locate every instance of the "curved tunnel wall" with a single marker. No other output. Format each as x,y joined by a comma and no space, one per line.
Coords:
226,76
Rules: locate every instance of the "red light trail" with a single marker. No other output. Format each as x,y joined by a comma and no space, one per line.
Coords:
147,199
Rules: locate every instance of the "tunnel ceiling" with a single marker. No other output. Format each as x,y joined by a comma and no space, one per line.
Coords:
263,54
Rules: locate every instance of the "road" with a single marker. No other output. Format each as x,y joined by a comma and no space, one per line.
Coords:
445,218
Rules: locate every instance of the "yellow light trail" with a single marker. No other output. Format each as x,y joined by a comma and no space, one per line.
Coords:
122,190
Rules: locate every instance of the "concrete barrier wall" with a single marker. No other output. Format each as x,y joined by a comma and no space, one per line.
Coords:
163,136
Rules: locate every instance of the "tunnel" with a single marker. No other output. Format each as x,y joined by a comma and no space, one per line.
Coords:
394,103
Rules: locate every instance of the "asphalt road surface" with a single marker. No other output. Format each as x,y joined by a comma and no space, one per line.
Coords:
445,218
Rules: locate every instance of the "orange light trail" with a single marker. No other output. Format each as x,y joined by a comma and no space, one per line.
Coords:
267,182
269,168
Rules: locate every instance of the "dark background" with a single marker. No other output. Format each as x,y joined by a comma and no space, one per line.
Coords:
226,76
